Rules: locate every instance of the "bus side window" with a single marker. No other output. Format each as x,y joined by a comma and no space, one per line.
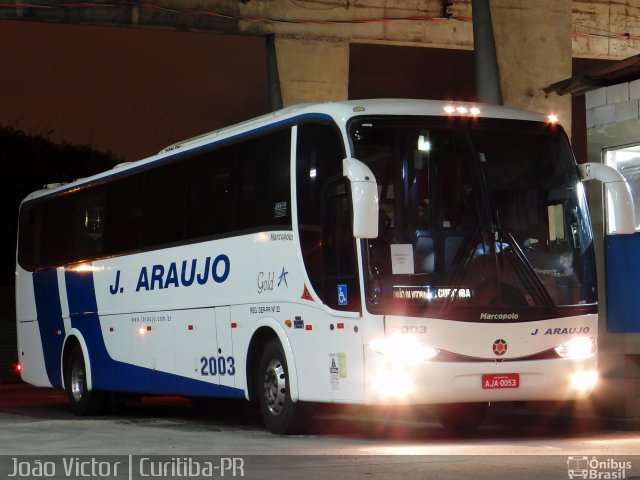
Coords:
29,237
92,223
211,192
57,216
163,204
123,215
263,188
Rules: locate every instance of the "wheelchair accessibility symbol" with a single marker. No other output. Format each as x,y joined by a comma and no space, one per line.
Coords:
342,294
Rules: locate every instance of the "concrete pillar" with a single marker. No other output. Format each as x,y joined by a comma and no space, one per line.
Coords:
312,70
488,88
533,44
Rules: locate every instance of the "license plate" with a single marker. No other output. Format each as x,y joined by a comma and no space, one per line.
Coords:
505,380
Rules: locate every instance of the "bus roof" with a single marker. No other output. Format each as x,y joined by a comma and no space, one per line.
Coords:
350,108
340,112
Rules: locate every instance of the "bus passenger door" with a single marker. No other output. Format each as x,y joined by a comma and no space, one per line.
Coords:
340,288
226,360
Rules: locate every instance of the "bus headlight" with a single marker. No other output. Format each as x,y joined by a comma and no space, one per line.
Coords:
577,348
404,350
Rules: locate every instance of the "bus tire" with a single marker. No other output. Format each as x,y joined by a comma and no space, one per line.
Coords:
461,418
281,415
83,401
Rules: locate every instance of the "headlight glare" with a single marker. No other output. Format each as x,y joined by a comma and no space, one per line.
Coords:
404,349
577,348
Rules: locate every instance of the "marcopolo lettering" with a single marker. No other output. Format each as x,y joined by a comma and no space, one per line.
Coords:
185,273
498,316
275,237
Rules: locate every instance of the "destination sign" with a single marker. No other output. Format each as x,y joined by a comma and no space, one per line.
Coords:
428,293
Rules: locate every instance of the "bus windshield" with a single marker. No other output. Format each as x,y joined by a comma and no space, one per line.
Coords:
475,214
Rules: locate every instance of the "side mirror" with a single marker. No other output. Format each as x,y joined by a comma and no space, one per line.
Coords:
364,197
618,192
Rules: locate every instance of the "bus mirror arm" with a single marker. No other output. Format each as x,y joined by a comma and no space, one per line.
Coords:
617,190
364,197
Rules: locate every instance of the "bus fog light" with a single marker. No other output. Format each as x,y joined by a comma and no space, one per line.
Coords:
393,383
585,380
404,350
577,348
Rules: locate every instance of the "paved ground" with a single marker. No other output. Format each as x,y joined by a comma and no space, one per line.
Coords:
516,441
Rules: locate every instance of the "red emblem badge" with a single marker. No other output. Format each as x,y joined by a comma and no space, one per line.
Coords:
499,347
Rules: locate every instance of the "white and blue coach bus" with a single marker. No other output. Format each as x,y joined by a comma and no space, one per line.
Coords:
363,252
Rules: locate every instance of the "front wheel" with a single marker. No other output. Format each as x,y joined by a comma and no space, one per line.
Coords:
82,400
281,415
462,417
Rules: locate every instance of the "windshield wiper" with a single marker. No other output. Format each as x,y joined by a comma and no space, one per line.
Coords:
526,272
464,256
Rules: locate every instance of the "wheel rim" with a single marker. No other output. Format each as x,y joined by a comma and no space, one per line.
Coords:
77,381
275,387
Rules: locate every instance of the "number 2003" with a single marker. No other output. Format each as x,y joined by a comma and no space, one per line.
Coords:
217,366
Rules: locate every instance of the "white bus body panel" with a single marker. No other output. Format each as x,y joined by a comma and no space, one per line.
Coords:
30,349
32,355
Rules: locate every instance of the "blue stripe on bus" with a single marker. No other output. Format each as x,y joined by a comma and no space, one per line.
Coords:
49,313
111,375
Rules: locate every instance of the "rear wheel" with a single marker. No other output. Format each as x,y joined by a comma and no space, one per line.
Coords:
82,400
462,417
281,415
